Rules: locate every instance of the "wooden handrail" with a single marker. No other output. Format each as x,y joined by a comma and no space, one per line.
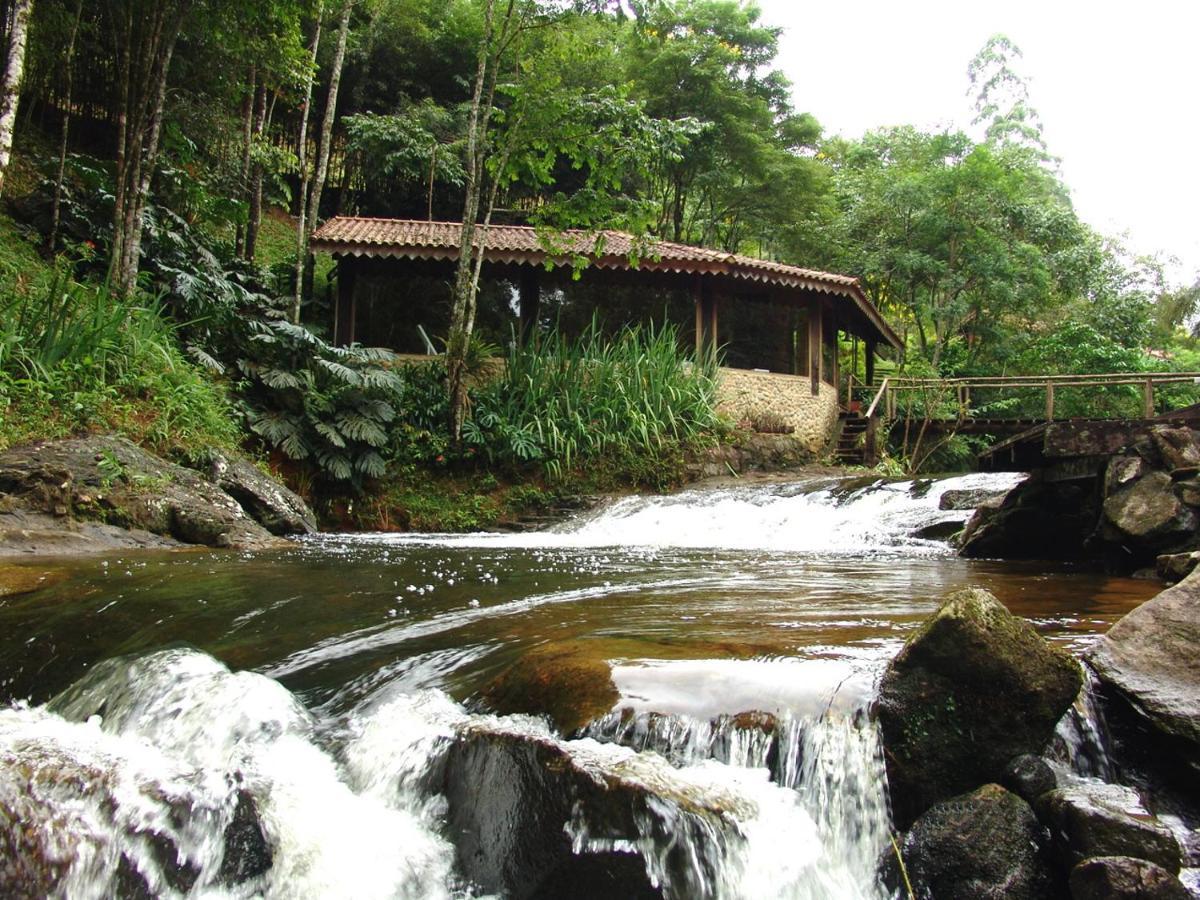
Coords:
1117,378
883,387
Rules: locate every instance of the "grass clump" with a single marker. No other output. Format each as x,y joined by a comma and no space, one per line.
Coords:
635,399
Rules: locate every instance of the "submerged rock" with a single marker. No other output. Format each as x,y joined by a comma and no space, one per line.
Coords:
972,688
1097,819
26,579
1124,878
567,683
1150,660
985,844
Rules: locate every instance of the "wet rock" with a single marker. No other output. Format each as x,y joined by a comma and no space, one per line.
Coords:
515,801
110,479
1029,776
1176,566
271,504
1149,512
972,688
568,683
939,531
1096,819
1124,878
1179,448
247,852
970,498
985,844
1037,519
1149,659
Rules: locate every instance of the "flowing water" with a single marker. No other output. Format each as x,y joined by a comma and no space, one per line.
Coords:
328,684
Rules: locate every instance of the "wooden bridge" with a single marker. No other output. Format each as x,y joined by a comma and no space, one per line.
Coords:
1013,408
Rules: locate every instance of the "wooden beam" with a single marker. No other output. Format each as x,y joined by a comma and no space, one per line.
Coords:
815,361
530,293
345,306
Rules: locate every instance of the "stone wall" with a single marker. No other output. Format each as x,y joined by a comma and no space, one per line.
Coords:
743,394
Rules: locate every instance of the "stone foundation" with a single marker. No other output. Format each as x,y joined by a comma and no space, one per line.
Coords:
743,395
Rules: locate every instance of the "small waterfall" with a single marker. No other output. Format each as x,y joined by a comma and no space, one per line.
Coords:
1081,740
801,517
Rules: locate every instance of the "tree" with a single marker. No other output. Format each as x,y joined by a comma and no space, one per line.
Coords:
1001,99
10,84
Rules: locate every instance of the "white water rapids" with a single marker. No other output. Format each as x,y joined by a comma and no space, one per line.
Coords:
135,775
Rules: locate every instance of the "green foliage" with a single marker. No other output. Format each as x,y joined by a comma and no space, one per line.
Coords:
560,403
74,358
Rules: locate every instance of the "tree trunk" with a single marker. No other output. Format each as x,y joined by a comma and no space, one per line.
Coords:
10,86
462,315
303,287
145,46
254,218
68,76
248,107
302,157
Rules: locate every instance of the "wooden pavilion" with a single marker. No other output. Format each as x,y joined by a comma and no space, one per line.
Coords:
797,313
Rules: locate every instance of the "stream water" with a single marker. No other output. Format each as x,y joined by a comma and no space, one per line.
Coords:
327,682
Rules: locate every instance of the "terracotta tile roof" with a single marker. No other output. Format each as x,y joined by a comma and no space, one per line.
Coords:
415,239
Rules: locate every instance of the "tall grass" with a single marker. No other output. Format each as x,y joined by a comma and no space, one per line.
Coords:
561,402
75,358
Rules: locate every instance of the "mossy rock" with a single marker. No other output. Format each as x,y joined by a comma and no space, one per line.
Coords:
568,683
974,687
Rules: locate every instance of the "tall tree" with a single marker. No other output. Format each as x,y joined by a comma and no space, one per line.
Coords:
146,32
10,84
64,133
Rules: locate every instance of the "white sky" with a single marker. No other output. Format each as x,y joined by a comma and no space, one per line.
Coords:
1117,86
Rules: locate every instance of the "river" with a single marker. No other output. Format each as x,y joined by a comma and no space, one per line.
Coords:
327,680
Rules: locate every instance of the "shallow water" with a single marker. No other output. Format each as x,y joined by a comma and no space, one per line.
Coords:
787,599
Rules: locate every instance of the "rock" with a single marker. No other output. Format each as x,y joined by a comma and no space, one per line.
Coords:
110,479
1149,659
972,688
1176,566
1123,471
981,845
271,504
1178,447
1124,878
938,531
1148,512
1097,819
516,801
1029,776
565,682
970,498
247,851
1038,519
28,533
1189,491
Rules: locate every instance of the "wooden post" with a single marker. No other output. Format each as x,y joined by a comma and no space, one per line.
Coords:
345,307
530,301
815,361
870,363
871,457
1049,401
1148,399
713,301
698,301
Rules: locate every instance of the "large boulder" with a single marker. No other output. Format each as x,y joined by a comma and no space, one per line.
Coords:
986,844
974,687
271,504
1096,819
1124,878
533,817
1038,519
1179,448
1148,513
1149,659
113,480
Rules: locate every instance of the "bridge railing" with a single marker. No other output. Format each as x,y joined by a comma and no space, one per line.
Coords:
1042,397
